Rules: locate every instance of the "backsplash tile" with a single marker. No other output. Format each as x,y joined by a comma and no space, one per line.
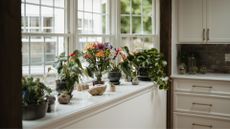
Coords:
213,56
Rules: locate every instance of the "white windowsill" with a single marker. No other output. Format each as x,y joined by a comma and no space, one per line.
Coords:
84,105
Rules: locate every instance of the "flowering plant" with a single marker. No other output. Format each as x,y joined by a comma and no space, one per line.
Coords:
69,69
98,56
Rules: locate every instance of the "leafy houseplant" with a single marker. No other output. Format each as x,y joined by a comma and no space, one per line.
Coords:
151,63
33,98
69,71
98,56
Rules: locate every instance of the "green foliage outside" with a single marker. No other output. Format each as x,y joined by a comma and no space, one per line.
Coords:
134,8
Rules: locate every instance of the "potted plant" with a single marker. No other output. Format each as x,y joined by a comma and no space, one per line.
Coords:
150,65
98,56
114,74
34,103
69,71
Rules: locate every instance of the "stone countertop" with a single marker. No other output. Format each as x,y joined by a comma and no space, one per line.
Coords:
83,103
207,76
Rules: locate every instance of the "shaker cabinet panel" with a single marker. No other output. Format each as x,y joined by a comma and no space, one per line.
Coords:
218,20
190,20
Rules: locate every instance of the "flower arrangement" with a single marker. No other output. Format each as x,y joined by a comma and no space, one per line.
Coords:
98,56
69,71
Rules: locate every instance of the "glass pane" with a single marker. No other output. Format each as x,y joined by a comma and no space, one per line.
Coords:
137,44
80,22
147,24
125,6
34,25
148,42
99,6
98,24
125,24
136,24
61,45
33,1
59,3
59,21
104,24
80,5
25,55
50,50
88,23
125,41
82,42
147,7
88,5
48,2
47,19
37,51
136,6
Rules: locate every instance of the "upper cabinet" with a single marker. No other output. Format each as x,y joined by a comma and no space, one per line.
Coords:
204,21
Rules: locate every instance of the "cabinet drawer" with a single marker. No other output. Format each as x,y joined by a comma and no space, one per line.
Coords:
215,105
215,87
182,121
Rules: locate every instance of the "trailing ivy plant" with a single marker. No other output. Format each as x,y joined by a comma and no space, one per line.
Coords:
153,61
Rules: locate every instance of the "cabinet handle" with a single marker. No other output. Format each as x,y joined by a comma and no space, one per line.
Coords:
207,34
202,86
204,104
203,34
195,124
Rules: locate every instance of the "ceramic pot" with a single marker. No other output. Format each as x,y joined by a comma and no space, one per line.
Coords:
34,111
114,77
143,74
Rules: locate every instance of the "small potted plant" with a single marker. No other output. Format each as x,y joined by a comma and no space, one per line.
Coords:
98,56
150,65
34,103
114,74
69,71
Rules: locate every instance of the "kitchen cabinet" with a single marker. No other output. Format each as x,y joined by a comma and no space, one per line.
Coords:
201,104
204,21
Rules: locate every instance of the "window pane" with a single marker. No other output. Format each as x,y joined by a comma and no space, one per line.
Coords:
136,25
147,7
125,41
59,3
125,6
88,5
59,21
88,23
47,19
80,5
48,2
125,24
80,22
136,6
147,24
37,50
148,42
137,44
50,50
99,6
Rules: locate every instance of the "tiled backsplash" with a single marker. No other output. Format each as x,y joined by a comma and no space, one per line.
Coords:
215,57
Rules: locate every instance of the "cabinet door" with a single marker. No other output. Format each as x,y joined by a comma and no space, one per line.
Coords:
191,21
218,20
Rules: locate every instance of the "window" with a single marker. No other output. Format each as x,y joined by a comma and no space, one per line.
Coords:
44,34
93,21
137,23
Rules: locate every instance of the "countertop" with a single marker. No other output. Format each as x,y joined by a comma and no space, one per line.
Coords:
83,103
207,76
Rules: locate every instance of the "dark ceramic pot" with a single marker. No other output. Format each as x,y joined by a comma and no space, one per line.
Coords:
114,77
33,112
62,86
143,74
98,82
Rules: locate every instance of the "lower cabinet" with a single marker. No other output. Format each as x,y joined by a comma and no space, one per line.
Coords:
201,104
191,121
144,111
